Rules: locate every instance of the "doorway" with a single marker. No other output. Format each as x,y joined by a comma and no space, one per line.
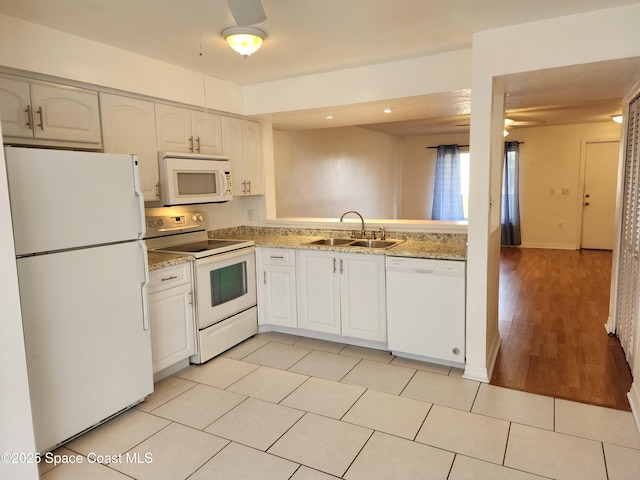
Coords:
600,167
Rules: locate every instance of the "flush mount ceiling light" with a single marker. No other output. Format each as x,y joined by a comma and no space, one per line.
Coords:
387,110
244,40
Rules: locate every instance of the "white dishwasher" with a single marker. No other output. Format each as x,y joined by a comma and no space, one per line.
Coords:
426,309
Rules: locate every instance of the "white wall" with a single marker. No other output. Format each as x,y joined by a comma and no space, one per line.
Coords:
31,47
405,78
323,173
550,161
15,406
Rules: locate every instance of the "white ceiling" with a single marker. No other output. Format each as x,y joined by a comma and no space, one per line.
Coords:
312,36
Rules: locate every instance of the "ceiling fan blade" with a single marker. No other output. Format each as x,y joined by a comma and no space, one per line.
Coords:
527,123
246,12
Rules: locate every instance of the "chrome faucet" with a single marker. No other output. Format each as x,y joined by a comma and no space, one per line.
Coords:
362,235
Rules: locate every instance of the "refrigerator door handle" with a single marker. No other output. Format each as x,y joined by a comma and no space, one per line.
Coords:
138,193
143,286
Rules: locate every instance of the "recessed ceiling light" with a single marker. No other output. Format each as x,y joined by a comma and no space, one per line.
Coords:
617,118
329,117
387,110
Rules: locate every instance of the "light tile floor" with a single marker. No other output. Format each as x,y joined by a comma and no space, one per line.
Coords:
279,407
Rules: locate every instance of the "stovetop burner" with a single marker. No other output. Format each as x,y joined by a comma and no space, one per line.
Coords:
185,233
203,246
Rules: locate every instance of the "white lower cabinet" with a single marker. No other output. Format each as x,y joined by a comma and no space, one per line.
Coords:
342,293
277,287
171,315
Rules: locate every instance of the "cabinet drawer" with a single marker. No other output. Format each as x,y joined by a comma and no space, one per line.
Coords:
169,277
279,256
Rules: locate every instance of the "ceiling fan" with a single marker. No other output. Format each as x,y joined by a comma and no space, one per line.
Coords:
511,120
243,38
246,12
514,120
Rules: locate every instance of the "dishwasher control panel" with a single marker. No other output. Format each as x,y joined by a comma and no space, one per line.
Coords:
426,265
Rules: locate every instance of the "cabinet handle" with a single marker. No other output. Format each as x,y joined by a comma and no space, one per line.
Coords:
198,144
265,277
273,256
41,124
172,277
334,264
341,267
28,111
244,187
191,143
249,186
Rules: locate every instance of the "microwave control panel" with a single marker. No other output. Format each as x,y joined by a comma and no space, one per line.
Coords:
228,192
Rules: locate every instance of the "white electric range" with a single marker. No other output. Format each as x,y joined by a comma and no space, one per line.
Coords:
224,280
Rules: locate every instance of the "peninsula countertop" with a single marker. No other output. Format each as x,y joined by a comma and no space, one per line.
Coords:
435,246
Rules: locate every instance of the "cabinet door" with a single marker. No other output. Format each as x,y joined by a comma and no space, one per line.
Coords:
174,129
129,126
65,113
172,326
253,167
232,148
318,291
363,300
15,108
279,296
207,132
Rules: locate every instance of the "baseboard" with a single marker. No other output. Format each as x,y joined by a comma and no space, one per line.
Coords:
551,246
634,401
483,374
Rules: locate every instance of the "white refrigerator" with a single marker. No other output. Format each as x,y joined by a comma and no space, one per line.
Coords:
78,223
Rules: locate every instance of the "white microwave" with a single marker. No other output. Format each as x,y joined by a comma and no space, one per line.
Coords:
187,178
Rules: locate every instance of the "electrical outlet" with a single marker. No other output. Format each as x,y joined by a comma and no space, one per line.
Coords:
254,214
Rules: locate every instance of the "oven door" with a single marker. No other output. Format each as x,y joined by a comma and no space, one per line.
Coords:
225,285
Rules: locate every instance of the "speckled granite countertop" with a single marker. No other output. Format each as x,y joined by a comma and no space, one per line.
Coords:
417,245
161,259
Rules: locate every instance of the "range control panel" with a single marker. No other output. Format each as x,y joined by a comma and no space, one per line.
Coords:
158,226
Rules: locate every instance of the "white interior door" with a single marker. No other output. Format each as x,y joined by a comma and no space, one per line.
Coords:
599,197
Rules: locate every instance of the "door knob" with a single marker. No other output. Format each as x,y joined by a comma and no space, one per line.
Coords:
586,196
586,204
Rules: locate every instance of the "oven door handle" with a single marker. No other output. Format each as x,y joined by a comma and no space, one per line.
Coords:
225,256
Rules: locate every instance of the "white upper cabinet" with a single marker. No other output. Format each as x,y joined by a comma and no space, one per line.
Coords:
189,131
42,113
129,126
15,108
242,142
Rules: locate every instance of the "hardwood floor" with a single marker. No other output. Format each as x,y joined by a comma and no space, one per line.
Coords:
553,307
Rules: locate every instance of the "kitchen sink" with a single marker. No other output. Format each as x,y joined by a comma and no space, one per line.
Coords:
332,241
374,243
